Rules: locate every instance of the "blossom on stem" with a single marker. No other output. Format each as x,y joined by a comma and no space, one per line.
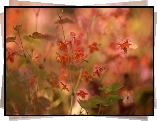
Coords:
62,46
36,56
86,76
82,94
65,59
126,44
10,55
98,70
73,40
93,47
64,87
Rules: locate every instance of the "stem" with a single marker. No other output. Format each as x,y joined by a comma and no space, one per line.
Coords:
60,17
99,109
21,45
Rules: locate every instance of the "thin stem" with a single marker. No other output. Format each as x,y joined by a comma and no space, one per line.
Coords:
60,17
22,45
99,109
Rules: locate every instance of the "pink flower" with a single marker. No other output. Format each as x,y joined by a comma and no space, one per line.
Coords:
93,47
98,70
36,56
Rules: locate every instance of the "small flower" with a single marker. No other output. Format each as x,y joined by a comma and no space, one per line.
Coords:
73,40
93,47
10,55
65,59
64,75
32,80
36,56
126,44
98,70
78,53
82,94
128,97
17,27
62,46
86,76
64,87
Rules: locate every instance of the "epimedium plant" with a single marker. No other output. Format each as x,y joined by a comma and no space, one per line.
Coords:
72,58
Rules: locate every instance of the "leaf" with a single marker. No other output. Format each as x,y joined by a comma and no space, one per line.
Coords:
36,35
11,39
63,21
96,99
114,97
84,104
92,105
113,87
17,27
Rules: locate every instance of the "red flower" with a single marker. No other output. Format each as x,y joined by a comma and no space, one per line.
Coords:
82,94
64,87
64,75
93,47
78,54
32,80
98,70
62,46
127,44
35,57
10,55
65,59
86,76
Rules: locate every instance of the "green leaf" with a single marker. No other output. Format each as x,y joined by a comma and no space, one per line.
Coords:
11,39
113,87
96,99
29,39
63,21
92,105
114,97
84,104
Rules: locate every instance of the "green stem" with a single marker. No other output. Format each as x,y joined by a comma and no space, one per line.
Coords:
99,109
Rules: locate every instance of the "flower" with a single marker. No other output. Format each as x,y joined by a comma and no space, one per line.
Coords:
10,55
86,76
65,59
64,87
73,40
32,80
82,94
93,47
64,75
126,44
98,70
62,46
78,53
35,57
128,97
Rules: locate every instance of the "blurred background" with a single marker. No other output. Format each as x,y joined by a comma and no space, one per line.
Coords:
106,26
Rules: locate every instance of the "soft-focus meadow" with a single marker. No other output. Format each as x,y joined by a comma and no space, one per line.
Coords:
79,61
